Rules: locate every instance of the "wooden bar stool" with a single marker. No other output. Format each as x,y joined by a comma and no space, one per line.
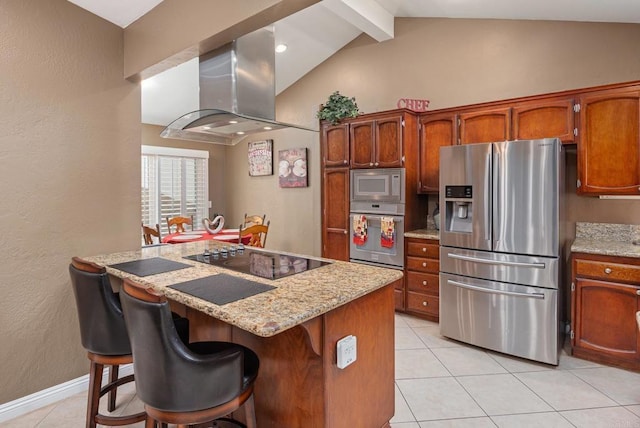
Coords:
184,384
104,336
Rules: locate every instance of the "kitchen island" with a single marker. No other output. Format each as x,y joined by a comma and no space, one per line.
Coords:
294,329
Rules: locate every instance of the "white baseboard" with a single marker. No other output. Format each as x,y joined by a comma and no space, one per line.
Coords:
56,393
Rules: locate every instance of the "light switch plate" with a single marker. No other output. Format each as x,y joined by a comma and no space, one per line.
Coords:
347,351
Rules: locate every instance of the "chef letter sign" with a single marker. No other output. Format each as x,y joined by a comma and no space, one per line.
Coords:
261,158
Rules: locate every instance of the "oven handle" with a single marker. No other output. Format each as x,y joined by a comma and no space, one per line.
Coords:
491,291
495,262
378,217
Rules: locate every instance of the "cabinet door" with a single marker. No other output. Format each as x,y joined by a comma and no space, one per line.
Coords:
388,143
485,126
544,119
435,131
609,146
334,143
362,144
335,214
605,319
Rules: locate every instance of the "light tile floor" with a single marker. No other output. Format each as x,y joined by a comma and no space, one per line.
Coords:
442,383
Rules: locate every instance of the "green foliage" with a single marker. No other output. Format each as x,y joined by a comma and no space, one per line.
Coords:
338,107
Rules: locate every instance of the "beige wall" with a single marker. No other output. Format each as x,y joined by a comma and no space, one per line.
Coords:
70,168
294,212
217,164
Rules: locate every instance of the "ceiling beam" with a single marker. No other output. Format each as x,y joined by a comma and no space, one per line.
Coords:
367,15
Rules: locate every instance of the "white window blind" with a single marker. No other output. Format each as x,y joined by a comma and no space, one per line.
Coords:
174,183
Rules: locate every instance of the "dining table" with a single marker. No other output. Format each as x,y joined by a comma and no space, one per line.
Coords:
225,235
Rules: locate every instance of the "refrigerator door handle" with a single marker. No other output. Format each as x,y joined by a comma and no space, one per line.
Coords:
496,262
491,291
497,211
487,199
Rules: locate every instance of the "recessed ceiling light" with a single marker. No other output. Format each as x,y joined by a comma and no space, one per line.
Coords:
233,121
267,128
240,132
281,48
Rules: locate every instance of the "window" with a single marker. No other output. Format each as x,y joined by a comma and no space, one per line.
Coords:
174,183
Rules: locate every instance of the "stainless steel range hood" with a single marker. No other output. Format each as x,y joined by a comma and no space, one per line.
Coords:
237,93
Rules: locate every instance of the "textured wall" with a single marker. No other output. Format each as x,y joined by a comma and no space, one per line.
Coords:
70,179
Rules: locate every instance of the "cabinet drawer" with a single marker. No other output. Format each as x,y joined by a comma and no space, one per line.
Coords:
423,265
423,303
608,271
423,250
423,282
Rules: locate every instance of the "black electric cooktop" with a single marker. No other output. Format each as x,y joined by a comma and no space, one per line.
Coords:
260,263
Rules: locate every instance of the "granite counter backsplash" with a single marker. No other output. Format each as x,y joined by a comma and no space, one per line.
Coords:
607,239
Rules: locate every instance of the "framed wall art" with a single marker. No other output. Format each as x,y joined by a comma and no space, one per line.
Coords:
260,155
292,167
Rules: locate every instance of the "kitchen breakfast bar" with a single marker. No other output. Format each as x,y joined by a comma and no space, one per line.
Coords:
294,328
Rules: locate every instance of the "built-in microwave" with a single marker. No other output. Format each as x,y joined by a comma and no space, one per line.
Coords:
378,184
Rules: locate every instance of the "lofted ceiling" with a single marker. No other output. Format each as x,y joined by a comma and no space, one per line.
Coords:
314,34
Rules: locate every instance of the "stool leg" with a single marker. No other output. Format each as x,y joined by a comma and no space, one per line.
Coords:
93,401
250,412
113,376
150,422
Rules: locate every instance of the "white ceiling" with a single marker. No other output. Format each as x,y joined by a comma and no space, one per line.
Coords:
314,34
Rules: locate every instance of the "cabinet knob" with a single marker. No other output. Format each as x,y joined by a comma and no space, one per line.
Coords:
344,161
377,164
638,292
607,271
424,249
425,283
424,264
425,303
370,163
345,232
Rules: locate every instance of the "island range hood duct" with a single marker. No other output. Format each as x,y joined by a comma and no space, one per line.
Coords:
237,93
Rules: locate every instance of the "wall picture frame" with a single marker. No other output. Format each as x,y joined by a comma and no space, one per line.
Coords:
292,168
260,157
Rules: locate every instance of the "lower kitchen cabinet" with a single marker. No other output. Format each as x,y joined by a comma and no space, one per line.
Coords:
422,264
605,296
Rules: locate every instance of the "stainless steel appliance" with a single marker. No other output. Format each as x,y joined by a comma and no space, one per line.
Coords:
377,194
500,237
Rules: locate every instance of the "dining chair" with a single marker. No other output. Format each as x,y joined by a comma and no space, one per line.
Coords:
184,383
250,220
148,233
104,335
257,234
179,223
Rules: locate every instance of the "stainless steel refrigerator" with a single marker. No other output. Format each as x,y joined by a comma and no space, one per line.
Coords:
501,245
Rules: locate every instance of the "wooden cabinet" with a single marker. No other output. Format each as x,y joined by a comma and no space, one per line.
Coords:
335,213
544,118
485,125
604,301
609,145
335,145
422,265
376,143
436,130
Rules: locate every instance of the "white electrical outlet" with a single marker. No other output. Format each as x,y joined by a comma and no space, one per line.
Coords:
347,351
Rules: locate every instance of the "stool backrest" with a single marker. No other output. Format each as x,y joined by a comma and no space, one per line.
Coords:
166,369
102,326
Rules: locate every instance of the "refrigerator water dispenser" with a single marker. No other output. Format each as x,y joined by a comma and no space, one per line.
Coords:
458,208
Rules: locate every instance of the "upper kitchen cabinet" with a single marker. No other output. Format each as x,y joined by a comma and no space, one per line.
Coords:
436,130
609,142
544,118
377,142
335,145
485,125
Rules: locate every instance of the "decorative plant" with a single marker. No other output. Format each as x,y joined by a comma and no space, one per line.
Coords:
338,107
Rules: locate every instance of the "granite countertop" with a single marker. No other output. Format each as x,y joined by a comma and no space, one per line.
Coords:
607,239
427,233
296,298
